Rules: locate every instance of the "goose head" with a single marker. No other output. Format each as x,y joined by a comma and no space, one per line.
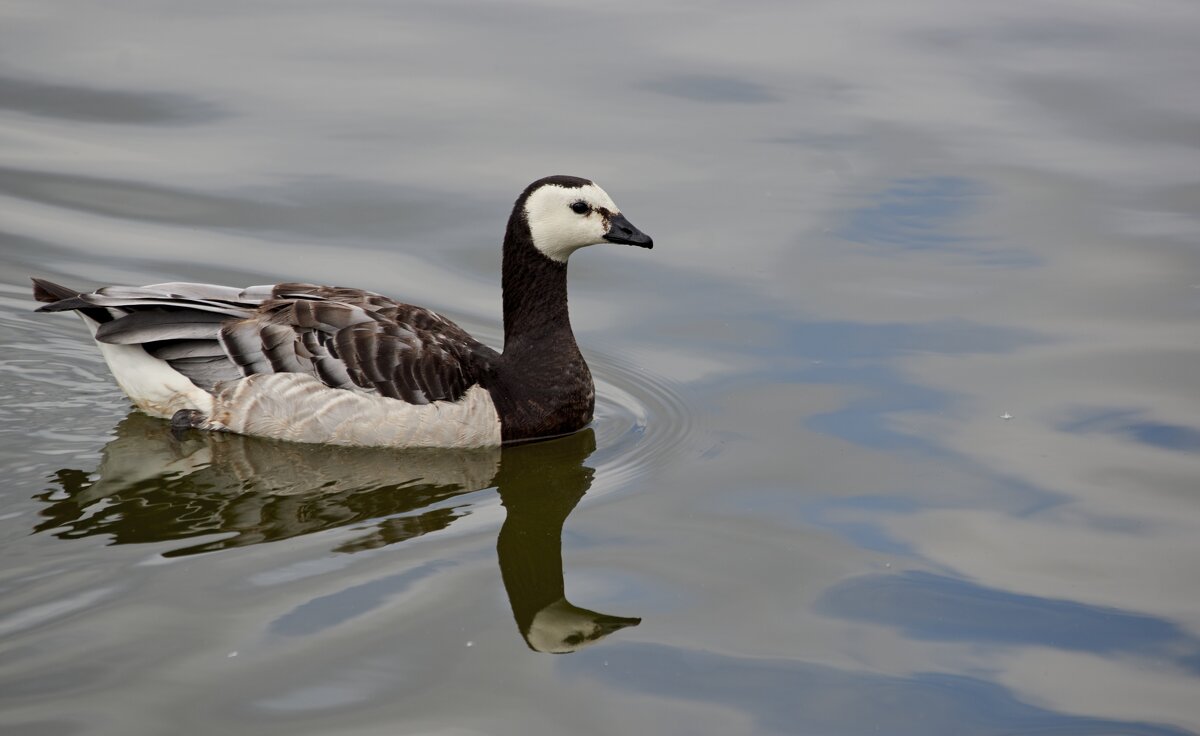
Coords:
566,213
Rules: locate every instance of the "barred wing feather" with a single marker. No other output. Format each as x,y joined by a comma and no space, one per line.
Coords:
346,338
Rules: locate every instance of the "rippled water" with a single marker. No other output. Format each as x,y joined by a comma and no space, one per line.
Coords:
896,428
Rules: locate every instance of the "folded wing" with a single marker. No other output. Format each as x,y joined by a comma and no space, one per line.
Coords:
346,338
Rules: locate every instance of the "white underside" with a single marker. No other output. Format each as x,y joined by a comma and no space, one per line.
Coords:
151,384
299,408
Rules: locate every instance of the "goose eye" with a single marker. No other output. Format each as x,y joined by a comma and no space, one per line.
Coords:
580,207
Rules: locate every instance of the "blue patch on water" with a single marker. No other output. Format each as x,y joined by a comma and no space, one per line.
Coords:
854,517
796,697
863,420
860,356
857,354
858,340
913,214
931,607
330,610
870,536
1132,424
828,513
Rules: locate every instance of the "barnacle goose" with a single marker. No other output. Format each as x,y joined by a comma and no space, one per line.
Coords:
342,366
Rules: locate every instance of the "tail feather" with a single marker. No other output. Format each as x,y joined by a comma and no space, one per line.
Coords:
48,291
59,298
123,329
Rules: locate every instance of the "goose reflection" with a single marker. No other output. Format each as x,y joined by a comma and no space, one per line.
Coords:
226,490
155,486
540,485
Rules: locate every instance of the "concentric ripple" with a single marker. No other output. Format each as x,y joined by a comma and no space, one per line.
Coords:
642,420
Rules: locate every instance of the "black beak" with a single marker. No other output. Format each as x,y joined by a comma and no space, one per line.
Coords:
606,624
621,230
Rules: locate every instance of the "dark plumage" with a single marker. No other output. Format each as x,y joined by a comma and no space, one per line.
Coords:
358,341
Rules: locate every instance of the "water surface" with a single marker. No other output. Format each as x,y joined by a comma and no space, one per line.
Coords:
879,229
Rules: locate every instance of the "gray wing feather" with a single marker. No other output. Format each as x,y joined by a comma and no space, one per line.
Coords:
283,351
157,325
202,297
212,292
170,350
207,372
243,345
327,367
346,338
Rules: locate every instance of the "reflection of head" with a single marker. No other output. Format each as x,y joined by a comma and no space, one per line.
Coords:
562,627
540,485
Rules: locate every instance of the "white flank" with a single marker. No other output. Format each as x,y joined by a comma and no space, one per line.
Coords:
299,408
557,230
151,384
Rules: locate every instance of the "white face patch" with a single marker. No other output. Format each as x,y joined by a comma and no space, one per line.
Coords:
557,229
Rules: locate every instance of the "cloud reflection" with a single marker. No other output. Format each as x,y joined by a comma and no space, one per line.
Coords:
790,697
933,607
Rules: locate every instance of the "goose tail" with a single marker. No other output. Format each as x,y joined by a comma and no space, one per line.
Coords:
50,292
153,385
59,298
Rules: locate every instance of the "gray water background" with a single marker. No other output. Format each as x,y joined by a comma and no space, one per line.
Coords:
880,227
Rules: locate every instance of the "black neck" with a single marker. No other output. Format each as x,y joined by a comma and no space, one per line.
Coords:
535,296
542,385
